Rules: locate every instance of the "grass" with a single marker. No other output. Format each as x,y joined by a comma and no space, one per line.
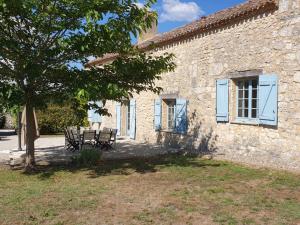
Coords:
171,190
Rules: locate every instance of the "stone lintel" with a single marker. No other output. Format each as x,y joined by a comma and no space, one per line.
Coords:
246,73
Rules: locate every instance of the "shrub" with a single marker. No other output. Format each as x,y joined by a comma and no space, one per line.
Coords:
2,121
55,118
87,158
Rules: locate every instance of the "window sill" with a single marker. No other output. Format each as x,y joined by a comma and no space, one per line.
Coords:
167,131
171,132
245,122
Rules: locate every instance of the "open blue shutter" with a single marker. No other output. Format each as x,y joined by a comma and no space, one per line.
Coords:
181,116
132,118
92,115
268,99
157,114
222,100
118,118
96,117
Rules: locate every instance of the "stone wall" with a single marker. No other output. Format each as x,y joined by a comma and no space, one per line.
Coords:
269,42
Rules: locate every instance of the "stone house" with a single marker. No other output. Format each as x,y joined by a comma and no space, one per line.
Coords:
235,92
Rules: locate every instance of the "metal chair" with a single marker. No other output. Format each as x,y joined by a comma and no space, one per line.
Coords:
71,143
113,139
103,140
88,138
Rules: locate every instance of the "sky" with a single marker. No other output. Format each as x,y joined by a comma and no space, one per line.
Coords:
176,13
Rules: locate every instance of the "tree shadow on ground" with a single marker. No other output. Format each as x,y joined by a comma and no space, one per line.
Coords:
127,166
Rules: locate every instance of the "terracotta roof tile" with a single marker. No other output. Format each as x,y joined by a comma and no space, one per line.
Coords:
219,19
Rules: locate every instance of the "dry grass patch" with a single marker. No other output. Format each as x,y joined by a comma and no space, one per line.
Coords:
171,190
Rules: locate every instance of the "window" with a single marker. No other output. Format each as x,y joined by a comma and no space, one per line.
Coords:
255,100
170,114
247,106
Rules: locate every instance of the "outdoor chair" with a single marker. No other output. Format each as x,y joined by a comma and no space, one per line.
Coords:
105,129
103,140
71,144
113,139
88,138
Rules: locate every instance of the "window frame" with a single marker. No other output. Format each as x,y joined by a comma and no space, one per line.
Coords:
168,103
248,119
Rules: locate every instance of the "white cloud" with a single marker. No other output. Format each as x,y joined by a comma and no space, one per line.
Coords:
177,11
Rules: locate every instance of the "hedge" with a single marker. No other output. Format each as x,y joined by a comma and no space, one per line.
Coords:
55,118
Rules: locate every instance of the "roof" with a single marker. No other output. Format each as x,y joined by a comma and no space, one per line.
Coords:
218,19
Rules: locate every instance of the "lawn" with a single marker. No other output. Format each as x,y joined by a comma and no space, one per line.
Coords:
172,190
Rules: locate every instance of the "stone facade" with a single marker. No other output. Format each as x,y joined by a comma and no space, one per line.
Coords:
268,42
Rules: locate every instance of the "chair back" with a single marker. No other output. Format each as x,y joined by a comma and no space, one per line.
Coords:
67,135
104,136
114,133
105,129
74,135
89,135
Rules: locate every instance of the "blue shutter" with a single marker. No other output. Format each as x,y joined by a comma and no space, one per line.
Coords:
118,118
222,114
181,116
90,113
157,114
132,118
96,118
268,99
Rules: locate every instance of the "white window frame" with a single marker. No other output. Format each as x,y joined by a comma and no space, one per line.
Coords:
249,118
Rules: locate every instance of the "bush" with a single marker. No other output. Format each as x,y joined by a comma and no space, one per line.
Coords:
55,118
2,121
87,158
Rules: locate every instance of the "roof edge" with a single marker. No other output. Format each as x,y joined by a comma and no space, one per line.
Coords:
213,21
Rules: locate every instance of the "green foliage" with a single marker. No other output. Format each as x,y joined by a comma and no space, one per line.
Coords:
87,158
41,42
2,120
55,118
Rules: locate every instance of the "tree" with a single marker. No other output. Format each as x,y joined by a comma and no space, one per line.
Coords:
42,41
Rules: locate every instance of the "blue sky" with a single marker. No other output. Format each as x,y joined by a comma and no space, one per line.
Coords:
175,13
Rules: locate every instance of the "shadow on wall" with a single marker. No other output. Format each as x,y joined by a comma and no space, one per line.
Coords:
199,141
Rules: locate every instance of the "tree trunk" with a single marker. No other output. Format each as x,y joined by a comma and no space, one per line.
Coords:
30,138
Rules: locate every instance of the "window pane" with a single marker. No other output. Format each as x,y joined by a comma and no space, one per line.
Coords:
254,103
240,93
254,93
171,114
240,85
246,113
246,84
240,113
254,113
254,84
246,93
240,104
246,103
